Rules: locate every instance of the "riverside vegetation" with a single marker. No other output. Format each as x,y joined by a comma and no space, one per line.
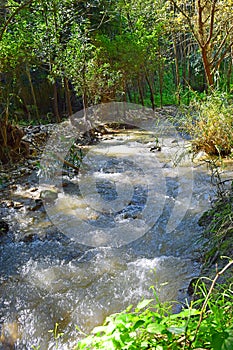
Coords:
61,56
206,323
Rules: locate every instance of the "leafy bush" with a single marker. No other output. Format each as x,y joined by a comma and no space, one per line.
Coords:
206,323
212,128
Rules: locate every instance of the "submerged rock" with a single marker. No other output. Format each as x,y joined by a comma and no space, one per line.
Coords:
29,238
49,195
37,206
4,227
9,335
155,148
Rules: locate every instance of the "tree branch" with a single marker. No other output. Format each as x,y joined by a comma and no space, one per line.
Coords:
211,22
188,20
223,54
221,45
200,24
21,7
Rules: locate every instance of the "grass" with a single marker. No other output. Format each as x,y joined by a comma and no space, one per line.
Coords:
210,123
219,231
218,221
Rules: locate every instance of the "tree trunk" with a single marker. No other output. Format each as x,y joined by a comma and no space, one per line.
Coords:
151,91
188,73
184,62
229,71
140,92
32,91
177,70
129,94
207,67
67,94
161,70
25,109
55,103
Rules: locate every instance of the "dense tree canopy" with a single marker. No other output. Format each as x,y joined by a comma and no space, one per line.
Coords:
59,56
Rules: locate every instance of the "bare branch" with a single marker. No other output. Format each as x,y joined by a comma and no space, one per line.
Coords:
102,20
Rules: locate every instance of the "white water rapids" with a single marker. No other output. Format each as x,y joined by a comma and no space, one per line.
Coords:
73,279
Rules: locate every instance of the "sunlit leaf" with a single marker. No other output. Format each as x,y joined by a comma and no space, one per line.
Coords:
155,328
143,304
176,330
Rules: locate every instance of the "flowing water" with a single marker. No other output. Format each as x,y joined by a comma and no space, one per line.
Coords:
143,213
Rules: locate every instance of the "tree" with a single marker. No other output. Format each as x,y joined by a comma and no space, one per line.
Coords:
13,44
211,25
145,26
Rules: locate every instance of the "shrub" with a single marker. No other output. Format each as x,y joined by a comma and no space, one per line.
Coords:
212,127
206,323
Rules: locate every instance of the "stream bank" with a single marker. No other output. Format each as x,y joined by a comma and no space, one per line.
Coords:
218,230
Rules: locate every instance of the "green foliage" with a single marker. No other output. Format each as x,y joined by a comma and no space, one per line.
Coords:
211,124
218,222
56,334
101,51
206,323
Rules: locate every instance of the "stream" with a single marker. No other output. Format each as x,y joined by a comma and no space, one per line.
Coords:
127,221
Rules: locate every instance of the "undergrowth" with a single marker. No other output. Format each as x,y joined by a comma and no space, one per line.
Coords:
206,323
210,123
219,231
218,221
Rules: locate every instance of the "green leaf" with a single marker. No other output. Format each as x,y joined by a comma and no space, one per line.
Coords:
128,308
144,344
223,340
185,313
155,328
138,324
143,304
104,329
176,330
